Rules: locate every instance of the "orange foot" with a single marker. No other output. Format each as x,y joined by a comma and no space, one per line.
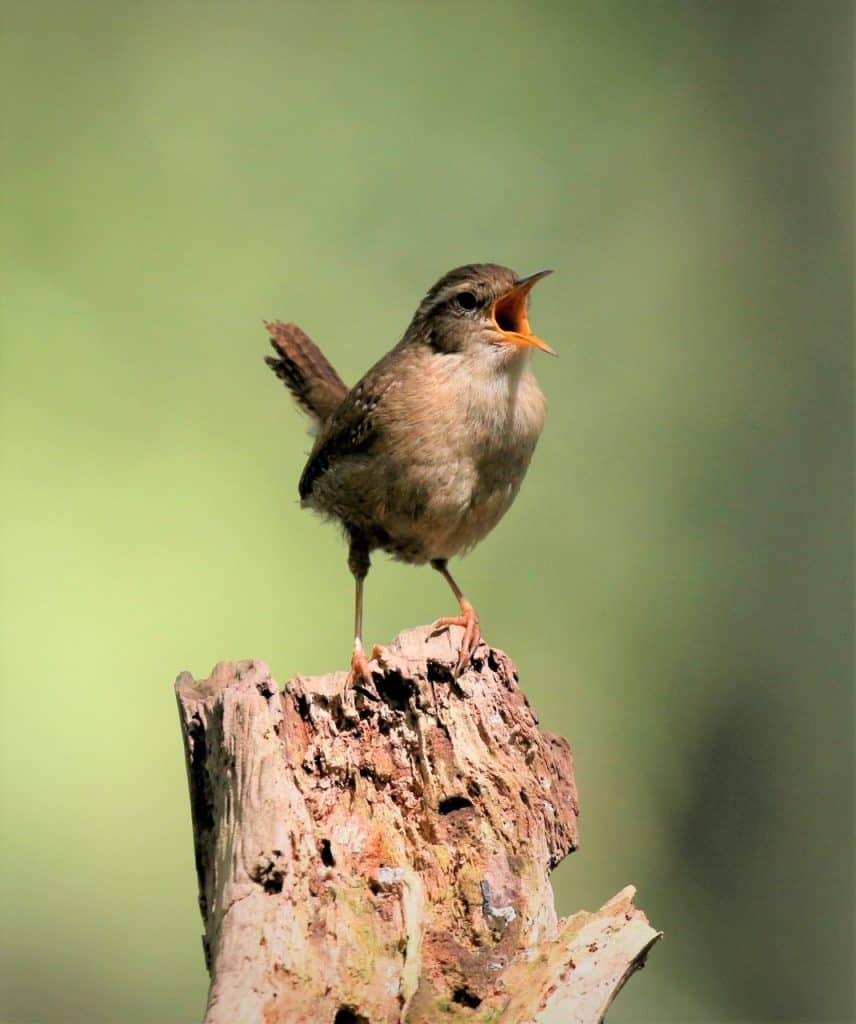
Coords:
360,671
472,634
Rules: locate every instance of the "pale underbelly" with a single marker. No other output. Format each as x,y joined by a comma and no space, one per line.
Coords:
420,508
426,512
444,531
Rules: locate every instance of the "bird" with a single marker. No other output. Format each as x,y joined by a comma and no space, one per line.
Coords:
426,453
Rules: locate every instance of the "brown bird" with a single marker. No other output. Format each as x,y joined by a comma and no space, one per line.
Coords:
425,454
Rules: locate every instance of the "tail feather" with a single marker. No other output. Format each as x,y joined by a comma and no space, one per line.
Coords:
305,371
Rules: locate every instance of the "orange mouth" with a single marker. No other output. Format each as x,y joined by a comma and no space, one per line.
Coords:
510,314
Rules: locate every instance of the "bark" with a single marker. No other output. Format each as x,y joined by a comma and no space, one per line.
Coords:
384,856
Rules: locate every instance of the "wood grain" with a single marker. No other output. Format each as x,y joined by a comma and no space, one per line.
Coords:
384,855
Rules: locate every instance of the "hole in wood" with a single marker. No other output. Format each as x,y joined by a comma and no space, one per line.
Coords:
347,1015
439,673
454,803
466,998
269,876
327,857
394,690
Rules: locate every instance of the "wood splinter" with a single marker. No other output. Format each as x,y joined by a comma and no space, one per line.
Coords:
371,857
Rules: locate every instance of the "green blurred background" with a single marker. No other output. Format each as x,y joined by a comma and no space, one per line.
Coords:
675,579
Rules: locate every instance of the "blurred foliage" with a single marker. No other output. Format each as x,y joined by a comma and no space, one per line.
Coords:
675,579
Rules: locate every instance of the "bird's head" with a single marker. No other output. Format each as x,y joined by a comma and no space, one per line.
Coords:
480,304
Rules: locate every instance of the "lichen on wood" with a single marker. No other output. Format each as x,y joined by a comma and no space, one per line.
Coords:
383,854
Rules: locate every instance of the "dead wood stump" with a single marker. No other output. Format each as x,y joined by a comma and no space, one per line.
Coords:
384,856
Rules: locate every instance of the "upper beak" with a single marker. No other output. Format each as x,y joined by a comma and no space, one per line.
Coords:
510,314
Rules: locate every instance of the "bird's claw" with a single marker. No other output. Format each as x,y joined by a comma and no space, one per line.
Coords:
469,621
360,671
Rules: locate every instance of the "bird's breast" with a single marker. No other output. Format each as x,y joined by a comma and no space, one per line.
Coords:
461,453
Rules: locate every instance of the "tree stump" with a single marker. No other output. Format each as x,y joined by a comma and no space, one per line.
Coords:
383,855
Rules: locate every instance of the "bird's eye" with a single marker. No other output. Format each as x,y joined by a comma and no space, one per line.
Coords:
466,300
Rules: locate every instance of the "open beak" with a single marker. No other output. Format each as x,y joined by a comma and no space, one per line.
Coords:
510,314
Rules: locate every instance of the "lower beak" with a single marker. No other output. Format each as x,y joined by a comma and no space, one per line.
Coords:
510,314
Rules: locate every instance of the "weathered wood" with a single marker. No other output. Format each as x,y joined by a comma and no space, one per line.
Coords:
384,856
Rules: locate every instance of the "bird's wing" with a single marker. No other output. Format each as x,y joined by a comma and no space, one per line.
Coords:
353,428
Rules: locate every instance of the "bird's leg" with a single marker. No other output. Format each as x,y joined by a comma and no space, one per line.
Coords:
358,563
468,618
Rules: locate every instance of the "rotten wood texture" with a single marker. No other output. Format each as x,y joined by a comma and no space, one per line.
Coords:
377,857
